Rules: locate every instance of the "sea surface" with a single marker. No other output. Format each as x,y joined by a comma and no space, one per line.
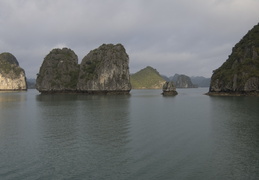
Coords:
142,136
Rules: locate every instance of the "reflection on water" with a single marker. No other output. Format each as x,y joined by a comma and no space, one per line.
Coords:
96,127
142,136
7,97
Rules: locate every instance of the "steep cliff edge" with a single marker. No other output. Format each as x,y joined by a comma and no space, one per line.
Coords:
239,75
58,72
105,69
12,76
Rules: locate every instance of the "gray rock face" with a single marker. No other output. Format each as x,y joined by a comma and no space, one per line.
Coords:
105,69
184,81
239,75
58,72
102,70
252,84
169,89
12,76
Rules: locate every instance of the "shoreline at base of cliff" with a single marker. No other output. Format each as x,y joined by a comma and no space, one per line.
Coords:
169,93
12,90
87,92
233,94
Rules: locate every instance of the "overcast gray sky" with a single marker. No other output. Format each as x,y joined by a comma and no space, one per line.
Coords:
191,37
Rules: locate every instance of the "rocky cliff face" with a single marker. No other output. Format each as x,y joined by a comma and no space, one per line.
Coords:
58,72
183,81
240,73
105,69
12,76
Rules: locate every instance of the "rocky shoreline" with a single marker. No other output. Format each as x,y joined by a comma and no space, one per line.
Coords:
86,92
233,94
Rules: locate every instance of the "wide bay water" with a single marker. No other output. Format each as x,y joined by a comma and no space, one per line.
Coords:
143,136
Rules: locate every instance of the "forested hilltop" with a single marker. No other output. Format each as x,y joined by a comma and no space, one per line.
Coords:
150,78
147,78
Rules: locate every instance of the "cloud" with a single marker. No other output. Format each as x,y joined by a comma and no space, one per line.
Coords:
181,36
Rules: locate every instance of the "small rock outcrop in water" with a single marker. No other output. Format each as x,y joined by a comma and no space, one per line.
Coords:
12,76
239,75
103,70
169,89
58,72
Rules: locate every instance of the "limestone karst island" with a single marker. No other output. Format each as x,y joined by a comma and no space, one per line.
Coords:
12,76
103,70
239,75
169,89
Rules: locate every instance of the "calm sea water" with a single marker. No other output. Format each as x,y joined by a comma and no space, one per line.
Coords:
144,136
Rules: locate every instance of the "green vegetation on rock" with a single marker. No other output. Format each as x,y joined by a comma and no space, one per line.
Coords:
240,72
105,68
147,78
59,71
7,68
9,64
90,65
